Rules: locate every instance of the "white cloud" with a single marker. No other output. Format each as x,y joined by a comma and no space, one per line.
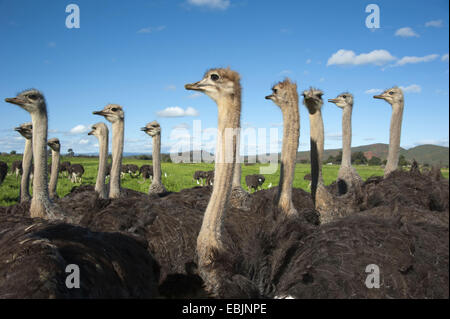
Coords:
334,136
176,111
308,61
170,87
52,44
413,88
445,57
434,23
83,142
406,32
285,72
416,59
152,29
373,91
79,129
182,126
348,57
195,95
212,4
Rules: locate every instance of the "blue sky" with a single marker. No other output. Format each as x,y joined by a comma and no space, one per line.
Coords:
140,54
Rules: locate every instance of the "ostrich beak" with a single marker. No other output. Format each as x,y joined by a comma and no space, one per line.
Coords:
91,132
17,129
333,100
192,86
102,113
15,100
269,97
144,129
378,97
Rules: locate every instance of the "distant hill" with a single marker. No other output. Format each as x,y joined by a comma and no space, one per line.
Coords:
431,154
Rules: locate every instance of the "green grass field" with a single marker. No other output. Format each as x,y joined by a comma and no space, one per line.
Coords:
179,176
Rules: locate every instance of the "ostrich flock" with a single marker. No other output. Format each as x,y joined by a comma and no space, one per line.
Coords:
221,241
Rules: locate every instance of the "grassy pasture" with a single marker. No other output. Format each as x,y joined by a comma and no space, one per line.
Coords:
179,176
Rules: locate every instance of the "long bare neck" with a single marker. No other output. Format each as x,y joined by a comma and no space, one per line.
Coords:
346,137
317,140
26,167
100,187
117,151
394,138
40,204
156,156
211,230
291,134
237,167
54,174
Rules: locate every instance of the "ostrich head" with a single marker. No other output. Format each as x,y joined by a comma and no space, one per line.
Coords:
218,84
343,100
112,112
152,128
54,144
312,99
31,101
283,92
99,129
26,130
392,96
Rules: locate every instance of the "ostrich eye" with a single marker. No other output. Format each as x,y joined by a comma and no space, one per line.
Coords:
275,91
214,77
344,96
114,109
319,95
391,93
32,96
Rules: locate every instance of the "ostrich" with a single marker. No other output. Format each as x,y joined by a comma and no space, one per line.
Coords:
326,203
33,102
153,129
146,171
100,130
285,95
115,114
76,172
348,178
26,130
223,86
56,148
313,102
394,97
254,181
64,168
3,171
16,168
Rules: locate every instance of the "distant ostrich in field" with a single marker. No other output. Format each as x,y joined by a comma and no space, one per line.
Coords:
16,168
254,182
33,102
64,168
146,171
115,114
394,97
76,172
55,146
153,129
348,178
26,130
3,171
284,94
209,178
100,131
200,177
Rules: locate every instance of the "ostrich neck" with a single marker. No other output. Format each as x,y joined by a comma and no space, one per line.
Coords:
237,167
316,140
394,138
291,134
54,173
40,175
156,154
228,120
117,151
26,167
346,137
102,164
